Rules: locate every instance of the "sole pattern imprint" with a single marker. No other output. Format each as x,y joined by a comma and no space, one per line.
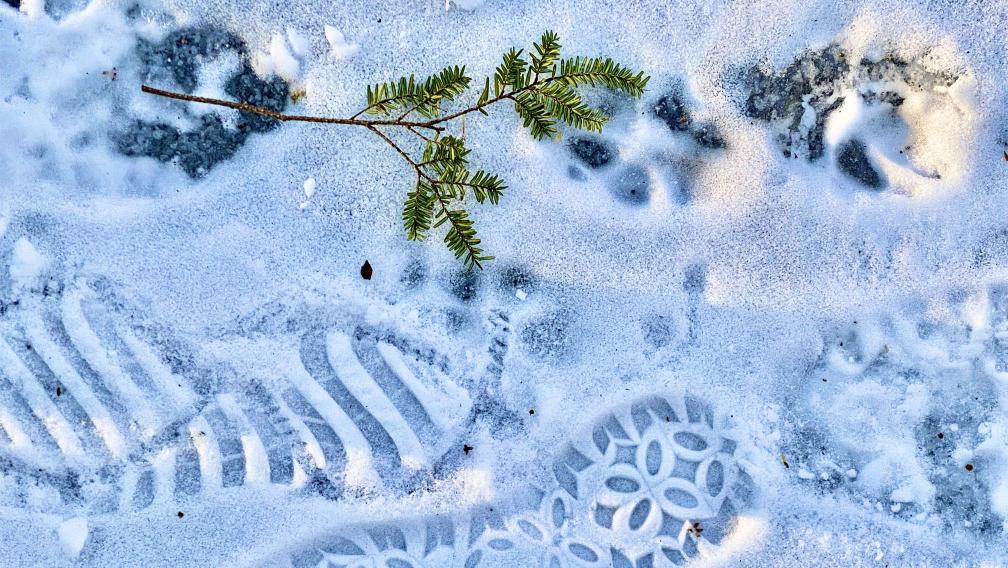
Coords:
101,414
649,485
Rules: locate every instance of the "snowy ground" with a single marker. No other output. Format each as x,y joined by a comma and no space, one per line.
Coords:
762,320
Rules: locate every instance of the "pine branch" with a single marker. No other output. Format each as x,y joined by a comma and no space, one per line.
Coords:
595,71
532,110
564,104
461,237
486,186
543,91
418,211
510,73
547,52
408,94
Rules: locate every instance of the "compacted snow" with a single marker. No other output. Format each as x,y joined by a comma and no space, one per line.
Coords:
761,320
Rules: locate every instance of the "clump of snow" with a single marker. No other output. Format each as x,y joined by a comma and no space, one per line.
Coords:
279,59
212,77
338,45
27,265
73,533
33,8
308,188
465,4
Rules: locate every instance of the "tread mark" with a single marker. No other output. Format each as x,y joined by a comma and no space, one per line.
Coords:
384,364
82,339
364,388
359,460
231,450
274,429
312,444
257,465
48,353
24,382
204,440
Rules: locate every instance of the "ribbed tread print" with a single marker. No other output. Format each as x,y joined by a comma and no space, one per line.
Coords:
106,413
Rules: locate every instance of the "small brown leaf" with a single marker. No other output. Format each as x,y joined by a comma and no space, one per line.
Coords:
1006,155
366,271
969,467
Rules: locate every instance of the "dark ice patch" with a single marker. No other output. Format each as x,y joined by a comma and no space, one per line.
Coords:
592,152
672,111
852,159
176,60
658,332
812,83
178,57
695,279
708,136
414,274
891,98
517,278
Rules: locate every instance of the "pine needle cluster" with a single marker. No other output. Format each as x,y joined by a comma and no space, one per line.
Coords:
541,86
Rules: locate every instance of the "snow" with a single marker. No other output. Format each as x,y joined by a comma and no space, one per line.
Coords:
465,4
27,266
338,45
279,60
855,335
298,42
309,187
73,534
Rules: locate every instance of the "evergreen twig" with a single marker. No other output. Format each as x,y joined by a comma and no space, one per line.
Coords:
542,91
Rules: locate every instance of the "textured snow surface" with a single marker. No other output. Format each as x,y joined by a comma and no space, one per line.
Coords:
761,320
